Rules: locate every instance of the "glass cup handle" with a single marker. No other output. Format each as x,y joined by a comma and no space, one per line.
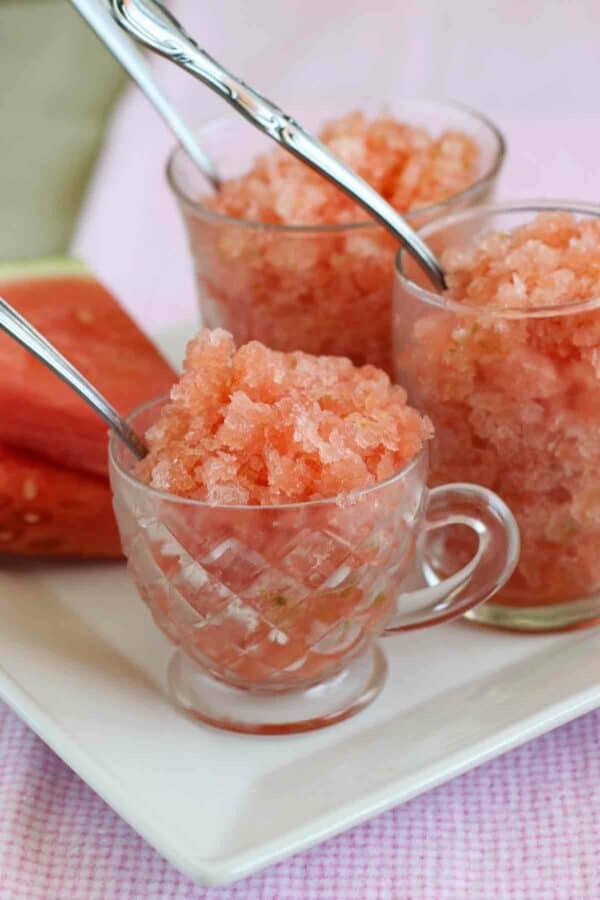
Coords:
486,572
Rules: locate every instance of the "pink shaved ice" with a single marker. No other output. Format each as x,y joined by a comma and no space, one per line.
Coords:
403,162
550,261
257,426
322,292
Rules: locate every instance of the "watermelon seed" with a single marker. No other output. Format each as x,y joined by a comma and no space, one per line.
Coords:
31,518
30,489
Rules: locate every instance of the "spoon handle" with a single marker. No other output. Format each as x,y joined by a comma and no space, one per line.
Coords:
152,25
100,20
22,331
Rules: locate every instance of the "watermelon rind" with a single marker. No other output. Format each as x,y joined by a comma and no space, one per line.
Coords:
47,267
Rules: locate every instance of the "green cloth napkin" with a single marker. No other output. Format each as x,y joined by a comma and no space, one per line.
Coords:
57,86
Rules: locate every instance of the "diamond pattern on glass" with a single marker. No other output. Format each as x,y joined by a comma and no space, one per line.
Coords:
230,632
315,556
273,594
234,564
261,598
340,638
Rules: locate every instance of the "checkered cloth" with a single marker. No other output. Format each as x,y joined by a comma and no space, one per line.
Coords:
523,827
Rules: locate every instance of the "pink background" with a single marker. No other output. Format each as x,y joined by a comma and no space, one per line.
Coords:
526,826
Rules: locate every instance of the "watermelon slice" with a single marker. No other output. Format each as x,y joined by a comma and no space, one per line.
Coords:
72,309
47,510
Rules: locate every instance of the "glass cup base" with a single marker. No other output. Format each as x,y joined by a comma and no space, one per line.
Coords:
235,709
555,617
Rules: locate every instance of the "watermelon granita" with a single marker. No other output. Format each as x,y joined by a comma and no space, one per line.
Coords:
285,257
513,387
289,559
257,426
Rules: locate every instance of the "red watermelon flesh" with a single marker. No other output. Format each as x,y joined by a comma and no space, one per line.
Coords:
48,510
38,412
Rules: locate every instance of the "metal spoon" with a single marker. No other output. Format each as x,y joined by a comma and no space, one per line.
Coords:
101,21
152,25
22,331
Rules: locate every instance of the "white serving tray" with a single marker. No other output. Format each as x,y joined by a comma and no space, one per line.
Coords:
82,663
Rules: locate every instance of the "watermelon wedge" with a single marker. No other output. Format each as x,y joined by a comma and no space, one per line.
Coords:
47,510
38,412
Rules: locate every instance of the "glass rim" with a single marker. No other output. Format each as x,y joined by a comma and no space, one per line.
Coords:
498,312
345,227
349,499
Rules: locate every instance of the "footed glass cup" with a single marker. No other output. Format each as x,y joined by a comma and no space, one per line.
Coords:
324,289
514,395
275,609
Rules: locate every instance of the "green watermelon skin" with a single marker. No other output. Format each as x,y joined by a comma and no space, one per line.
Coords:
38,412
51,511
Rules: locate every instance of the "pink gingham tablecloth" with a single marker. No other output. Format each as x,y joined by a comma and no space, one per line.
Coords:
523,827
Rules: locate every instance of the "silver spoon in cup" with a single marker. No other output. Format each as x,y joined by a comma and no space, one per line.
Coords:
25,334
153,26
98,17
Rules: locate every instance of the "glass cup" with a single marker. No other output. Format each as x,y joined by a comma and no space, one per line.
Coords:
322,289
515,398
275,608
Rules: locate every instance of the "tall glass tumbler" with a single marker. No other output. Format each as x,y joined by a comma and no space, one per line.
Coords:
514,395
322,288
